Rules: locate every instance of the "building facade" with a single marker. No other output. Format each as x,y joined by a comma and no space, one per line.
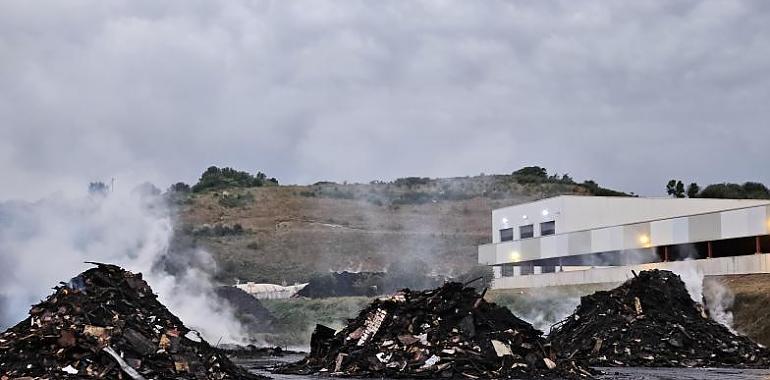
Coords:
581,233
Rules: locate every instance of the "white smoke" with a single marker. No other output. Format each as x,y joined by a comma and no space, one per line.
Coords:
48,241
719,302
716,298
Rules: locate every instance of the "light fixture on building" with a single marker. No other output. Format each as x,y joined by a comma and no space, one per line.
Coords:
524,217
515,256
644,240
545,212
505,221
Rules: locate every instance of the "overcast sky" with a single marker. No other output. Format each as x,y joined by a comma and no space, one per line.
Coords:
628,93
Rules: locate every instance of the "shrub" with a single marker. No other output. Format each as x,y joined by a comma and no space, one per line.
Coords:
179,187
218,230
411,181
216,178
236,200
749,190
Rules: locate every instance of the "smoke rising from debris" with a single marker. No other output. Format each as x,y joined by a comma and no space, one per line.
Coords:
48,241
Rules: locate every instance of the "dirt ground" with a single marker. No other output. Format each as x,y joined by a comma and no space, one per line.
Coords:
289,232
751,306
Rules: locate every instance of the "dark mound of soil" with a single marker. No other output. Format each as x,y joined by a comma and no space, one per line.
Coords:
446,332
651,321
366,284
247,308
343,284
106,323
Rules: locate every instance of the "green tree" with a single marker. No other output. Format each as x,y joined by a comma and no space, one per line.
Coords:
679,189
692,190
216,178
532,171
749,190
755,190
179,187
675,188
723,190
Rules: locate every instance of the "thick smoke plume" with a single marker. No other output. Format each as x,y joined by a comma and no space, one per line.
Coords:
48,241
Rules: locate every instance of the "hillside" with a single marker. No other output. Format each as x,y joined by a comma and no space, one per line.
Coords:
286,233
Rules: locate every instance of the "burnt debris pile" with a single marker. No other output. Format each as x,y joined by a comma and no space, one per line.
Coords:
107,323
450,331
651,321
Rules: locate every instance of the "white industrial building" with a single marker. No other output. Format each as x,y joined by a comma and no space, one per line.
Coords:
569,240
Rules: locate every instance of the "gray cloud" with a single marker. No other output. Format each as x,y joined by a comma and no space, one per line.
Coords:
629,94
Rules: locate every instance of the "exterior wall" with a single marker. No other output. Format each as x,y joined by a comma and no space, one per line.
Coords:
529,213
583,213
707,267
748,221
577,213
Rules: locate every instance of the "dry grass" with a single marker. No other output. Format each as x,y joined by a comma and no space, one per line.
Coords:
290,234
750,307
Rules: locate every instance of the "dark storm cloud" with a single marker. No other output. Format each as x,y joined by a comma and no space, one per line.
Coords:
628,93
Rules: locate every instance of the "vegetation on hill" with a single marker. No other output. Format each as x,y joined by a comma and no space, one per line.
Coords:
216,178
287,233
531,180
747,190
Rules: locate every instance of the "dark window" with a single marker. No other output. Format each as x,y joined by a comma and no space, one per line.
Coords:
506,234
548,269
506,270
527,269
547,228
527,231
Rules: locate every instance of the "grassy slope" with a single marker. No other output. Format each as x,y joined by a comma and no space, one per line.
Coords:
297,317
293,231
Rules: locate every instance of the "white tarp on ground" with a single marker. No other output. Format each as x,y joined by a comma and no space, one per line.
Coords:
270,291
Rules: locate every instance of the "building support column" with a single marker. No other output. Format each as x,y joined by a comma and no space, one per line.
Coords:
665,254
757,244
710,250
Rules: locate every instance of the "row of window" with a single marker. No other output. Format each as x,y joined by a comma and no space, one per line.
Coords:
506,270
528,231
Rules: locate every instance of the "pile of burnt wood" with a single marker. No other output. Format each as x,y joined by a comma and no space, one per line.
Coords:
651,321
450,331
106,323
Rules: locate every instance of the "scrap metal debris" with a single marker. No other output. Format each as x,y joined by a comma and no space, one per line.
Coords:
106,323
651,321
446,332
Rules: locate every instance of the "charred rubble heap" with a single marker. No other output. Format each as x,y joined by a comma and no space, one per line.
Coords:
651,321
106,323
450,332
